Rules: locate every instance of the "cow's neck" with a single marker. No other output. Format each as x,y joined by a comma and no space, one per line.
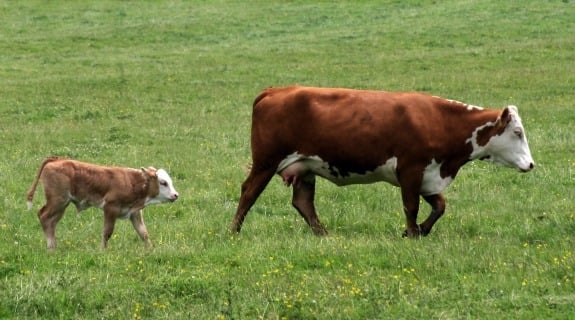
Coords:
468,129
482,130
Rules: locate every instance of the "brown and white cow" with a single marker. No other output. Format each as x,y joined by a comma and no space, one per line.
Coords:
412,140
119,192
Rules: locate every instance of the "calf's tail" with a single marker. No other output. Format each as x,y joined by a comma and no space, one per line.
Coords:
35,183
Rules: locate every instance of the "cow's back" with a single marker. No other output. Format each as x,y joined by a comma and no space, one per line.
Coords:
344,127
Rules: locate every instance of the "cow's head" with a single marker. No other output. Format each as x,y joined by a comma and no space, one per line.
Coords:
508,145
161,188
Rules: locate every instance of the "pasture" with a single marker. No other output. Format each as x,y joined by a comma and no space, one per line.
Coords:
170,84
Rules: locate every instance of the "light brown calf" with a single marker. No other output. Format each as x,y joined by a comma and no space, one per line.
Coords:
119,192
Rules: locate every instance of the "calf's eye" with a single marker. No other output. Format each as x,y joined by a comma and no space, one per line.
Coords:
163,183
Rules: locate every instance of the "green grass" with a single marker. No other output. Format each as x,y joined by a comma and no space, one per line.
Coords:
170,84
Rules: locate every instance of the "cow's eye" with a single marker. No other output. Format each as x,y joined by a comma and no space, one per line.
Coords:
164,183
518,132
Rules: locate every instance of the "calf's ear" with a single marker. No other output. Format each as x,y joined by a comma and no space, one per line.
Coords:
150,171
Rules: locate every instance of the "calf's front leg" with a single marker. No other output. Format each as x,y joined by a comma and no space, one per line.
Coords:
137,219
110,216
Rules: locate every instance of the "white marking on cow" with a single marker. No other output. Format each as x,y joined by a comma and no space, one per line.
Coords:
509,149
300,164
468,106
432,182
471,107
477,149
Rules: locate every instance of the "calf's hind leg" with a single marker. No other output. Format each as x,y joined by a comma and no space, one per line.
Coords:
49,215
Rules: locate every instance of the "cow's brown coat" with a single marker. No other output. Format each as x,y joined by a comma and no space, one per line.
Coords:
356,131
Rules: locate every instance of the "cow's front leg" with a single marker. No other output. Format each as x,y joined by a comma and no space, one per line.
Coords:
137,219
410,208
412,230
437,203
410,183
303,201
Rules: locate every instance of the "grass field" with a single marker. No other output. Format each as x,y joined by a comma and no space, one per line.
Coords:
170,84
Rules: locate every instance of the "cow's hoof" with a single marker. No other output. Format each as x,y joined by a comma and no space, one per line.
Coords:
234,228
415,234
320,231
407,234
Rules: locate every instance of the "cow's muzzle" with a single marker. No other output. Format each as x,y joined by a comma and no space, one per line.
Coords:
529,168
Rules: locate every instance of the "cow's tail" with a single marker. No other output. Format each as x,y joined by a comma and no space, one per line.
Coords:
35,183
247,168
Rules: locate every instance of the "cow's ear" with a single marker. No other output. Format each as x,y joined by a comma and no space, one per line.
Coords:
505,117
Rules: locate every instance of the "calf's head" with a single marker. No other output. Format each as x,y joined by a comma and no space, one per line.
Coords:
508,146
161,188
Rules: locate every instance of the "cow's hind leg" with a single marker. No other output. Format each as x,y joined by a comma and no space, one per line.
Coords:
303,201
137,219
437,203
49,215
255,183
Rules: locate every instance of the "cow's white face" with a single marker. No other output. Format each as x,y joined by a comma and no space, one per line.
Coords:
167,190
510,148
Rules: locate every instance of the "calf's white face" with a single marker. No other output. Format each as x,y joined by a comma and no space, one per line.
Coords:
167,192
510,148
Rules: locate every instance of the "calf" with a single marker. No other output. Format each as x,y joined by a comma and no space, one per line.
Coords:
412,140
119,192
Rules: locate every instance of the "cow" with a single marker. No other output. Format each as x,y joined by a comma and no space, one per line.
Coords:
412,140
119,192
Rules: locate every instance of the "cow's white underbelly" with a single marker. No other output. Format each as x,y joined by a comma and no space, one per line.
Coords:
299,165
